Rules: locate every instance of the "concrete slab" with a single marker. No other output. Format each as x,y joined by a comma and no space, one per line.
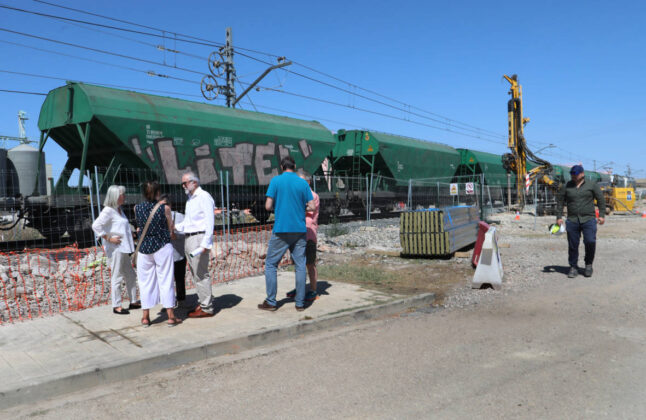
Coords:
67,352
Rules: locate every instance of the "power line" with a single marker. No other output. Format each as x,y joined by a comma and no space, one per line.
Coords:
396,100
124,21
377,113
77,22
370,99
42,76
21,91
98,50
147,72
446,120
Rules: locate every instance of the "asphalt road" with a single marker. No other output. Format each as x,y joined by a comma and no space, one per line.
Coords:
569,348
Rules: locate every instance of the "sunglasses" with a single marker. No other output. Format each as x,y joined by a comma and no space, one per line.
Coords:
186,183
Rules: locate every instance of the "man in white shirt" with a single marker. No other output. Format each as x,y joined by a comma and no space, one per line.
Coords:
197,227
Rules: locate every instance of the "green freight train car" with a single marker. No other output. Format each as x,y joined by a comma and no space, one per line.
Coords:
389,161
474,163
117,129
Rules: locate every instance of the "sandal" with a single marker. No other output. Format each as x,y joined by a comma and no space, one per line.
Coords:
173,322
145,322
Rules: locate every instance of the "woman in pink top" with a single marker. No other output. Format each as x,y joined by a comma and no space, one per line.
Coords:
312,224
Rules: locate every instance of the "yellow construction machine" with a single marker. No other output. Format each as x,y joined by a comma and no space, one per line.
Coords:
516,161
620,197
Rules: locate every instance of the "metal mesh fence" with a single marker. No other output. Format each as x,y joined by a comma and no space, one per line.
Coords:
41,282
50,260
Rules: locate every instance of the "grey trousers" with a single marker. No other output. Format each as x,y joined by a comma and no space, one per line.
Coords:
199,267
121,268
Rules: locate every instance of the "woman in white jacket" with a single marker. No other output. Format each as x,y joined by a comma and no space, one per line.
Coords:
113,227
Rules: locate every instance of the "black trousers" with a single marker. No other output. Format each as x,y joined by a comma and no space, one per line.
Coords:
574,231
179,268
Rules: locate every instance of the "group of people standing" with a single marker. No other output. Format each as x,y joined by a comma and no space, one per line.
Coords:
167,242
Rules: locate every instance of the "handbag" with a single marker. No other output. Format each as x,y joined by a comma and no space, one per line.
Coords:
143,234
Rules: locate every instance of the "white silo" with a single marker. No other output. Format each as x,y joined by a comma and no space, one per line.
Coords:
25,161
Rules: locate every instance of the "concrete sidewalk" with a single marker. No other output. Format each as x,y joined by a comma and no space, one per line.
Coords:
77,350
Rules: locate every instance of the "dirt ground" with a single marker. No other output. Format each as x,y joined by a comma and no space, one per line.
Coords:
386,271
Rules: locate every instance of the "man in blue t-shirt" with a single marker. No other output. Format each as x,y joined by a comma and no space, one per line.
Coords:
289,196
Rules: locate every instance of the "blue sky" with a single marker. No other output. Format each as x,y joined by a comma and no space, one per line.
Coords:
581,65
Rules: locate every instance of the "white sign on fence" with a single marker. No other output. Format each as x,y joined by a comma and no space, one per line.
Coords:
468,187
454,189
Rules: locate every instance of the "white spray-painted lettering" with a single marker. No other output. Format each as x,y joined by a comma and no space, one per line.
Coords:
237,158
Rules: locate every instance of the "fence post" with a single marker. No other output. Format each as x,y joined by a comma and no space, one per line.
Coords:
98,192
224,226
367,198
437,204
228,213
482,215
96,238
535,202
371,188
314,182
509,191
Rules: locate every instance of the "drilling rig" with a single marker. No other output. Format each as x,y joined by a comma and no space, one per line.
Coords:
516,161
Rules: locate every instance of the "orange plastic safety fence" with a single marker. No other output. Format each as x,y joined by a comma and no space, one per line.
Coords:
41,282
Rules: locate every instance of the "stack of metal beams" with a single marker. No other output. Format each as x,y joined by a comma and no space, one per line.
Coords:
438,232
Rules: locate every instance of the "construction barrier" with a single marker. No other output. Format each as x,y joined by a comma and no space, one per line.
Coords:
41,282
483,227
489,270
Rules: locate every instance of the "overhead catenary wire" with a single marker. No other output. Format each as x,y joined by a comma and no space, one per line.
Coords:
98,50
396,100
303,96
445,120
373,100
382,114
105,63
42,76
23,92
89,26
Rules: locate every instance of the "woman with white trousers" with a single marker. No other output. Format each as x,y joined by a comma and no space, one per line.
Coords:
113,227
155,255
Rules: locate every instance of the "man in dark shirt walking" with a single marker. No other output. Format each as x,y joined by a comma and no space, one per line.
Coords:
579,195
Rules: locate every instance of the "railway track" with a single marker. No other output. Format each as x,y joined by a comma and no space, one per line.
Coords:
20,245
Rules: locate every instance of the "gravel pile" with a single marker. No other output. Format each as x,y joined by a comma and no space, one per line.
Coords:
381,234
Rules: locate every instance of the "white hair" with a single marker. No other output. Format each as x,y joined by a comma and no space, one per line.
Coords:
306,176
112,196
192,176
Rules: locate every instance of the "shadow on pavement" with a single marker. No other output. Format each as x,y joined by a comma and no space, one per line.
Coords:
563,269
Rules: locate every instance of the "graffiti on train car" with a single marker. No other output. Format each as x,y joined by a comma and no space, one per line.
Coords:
206,159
